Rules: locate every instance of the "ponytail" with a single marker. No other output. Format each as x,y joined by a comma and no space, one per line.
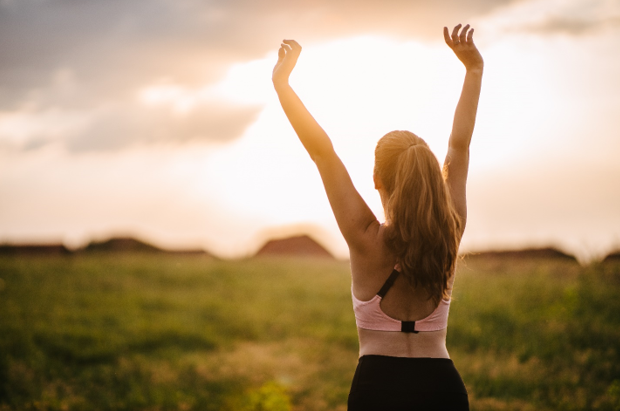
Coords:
422,225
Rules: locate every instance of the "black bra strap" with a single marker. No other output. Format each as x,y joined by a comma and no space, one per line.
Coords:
388,284
408,327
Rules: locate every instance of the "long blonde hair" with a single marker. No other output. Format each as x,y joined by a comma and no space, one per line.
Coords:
422,228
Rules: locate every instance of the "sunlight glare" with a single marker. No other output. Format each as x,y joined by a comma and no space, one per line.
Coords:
356,96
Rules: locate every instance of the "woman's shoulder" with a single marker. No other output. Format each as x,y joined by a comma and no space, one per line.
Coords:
372,248
371,267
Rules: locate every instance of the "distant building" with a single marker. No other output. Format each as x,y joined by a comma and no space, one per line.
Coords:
297,246
526,253
113,245
33,249
121,244
129,244
615,257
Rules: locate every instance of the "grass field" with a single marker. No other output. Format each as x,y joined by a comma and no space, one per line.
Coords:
165,332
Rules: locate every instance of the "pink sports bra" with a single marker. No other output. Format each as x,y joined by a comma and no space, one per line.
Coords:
370,316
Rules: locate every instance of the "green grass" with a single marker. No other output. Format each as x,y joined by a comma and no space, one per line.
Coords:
163,332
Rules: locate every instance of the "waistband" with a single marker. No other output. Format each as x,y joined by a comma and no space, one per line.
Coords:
387,358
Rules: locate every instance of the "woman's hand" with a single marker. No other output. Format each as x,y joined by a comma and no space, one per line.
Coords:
464,47
287,58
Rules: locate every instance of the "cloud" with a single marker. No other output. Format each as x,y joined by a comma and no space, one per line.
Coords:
76,65
116,43
118,127
556,17
572,26
110,47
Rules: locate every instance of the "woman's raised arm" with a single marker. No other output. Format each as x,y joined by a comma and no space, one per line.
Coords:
457,159
353,216
310,133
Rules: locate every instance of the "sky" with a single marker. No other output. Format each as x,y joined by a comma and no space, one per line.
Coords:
157,118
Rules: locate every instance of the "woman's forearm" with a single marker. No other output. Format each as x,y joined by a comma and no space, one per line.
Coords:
310,133
465,115
466,109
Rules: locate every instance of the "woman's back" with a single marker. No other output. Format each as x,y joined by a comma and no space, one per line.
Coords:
401,302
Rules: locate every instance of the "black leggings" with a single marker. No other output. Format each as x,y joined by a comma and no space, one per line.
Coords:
394,383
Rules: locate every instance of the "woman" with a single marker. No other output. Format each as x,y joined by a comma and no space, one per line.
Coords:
403,270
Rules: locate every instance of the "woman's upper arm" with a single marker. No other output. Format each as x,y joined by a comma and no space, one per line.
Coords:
456,167
355,219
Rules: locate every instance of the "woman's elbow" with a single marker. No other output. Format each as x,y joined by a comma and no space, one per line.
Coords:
321,152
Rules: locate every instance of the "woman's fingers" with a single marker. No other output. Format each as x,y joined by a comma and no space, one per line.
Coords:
446,36
287,58
456,38
470,39
463,36
462,44
290,46
292,43
455,34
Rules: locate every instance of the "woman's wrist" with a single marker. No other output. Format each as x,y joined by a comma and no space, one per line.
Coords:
475,69
279,84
